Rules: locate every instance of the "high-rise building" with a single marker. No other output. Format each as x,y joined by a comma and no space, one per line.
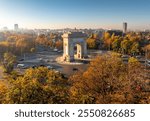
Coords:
16,27
124,27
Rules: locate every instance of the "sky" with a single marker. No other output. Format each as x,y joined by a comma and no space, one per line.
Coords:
55,14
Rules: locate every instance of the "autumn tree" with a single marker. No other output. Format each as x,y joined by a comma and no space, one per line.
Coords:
21,44
40,86
109,80
135,48
93,41
3,91
59,44
107,40
125,46
147,51
136,76
116,45
101,83
42,39
8,62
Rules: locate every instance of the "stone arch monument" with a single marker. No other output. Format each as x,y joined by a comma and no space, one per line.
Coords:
72,40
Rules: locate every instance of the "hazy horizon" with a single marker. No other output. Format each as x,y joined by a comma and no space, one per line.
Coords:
58,14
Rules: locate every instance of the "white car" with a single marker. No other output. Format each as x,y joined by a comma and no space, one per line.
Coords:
125,56
49,67
60,51
138,56
148,61
20,65
55,50
40,59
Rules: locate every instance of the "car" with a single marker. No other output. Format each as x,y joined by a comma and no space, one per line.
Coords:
50,67
75,69
85,62
26,67
138,56
55,50
33,66
125,56
56,71
21,59
40,59
60,51
20,65
148,61
42,65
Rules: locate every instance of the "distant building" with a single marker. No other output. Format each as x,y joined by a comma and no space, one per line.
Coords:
5,28
16,27
124,27
115,32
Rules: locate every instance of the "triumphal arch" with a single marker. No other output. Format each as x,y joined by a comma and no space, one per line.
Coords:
74,46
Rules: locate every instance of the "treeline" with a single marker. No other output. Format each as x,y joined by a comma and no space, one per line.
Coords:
107,80
17,43
51,40
132,43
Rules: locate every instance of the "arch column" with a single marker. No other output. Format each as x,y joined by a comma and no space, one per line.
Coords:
69,41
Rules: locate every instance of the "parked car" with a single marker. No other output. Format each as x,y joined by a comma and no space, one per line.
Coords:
50,67
75,69
42,65
20,65
148,63
33,66
21,59
138,56
125,56
55,50
60,51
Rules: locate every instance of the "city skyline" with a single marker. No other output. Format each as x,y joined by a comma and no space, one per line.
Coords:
57,14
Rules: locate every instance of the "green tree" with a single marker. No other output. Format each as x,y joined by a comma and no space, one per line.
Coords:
116,45
135,48
107,40
91,43
125,46
8,62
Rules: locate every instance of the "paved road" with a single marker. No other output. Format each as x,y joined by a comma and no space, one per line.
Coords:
48,58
